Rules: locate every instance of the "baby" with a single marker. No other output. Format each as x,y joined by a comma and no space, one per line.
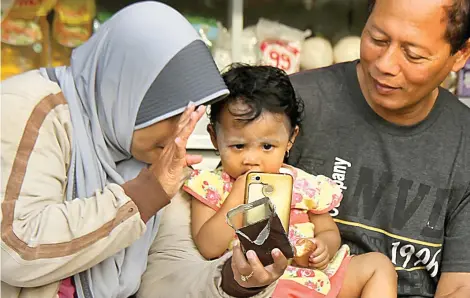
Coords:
253,129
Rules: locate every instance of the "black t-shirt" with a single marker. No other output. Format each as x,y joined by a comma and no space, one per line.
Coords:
406,189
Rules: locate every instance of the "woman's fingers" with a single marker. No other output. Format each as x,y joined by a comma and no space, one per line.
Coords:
255,274
186,128
240,264
169,168
189,127
193,159
279,265
261,276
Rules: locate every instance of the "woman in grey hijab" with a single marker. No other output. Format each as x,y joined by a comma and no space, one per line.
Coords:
95,150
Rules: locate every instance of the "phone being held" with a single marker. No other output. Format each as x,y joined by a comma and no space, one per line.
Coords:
266,215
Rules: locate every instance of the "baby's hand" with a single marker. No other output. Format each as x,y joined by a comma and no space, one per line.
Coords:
320,257
237,193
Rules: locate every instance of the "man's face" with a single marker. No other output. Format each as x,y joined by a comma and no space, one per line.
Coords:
405,56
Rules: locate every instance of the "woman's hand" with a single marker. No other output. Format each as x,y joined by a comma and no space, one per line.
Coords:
171,168
248,271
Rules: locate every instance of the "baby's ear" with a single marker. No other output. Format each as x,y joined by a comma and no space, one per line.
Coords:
294,135
211,131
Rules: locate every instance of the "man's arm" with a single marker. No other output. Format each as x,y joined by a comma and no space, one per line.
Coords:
455,278
453,285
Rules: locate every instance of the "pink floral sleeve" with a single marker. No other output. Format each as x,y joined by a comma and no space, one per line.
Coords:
209,187
317,194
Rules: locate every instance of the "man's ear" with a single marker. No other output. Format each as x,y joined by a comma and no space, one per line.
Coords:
292,138
211,131
462,57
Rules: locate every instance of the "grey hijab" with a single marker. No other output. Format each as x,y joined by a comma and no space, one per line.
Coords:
144,65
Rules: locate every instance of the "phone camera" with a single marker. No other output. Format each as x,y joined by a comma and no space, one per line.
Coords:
258,178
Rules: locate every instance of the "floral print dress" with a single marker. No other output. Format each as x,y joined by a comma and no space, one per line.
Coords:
315,194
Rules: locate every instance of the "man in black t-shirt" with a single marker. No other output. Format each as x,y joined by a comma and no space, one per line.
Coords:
397,144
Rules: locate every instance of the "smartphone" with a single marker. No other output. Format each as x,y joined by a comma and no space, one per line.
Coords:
277,187
263,232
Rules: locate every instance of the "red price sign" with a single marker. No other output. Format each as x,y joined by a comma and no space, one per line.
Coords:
280,54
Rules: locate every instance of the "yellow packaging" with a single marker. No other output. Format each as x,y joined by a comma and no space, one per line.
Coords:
24,45
30,9
72,26
25,36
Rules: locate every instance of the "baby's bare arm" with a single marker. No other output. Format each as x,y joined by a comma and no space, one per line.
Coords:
200,214
327,231
211,233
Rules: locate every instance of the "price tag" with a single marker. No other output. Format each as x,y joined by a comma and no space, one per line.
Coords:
283,55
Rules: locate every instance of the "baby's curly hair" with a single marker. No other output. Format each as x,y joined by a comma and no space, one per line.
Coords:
260,88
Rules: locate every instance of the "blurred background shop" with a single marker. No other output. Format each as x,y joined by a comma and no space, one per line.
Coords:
293,35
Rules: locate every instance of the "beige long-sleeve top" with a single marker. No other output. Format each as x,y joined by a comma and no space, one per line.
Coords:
46,238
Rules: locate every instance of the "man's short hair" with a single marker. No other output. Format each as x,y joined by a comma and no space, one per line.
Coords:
458,23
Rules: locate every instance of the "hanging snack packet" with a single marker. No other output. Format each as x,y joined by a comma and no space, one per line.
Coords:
280,45
25,36
72,26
